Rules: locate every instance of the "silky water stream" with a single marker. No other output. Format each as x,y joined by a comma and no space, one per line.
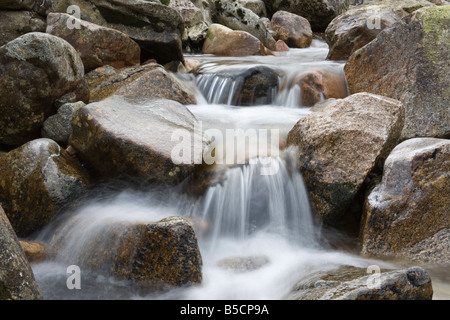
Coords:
264,220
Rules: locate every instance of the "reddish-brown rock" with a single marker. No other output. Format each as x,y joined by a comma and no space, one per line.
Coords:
96,45
319,85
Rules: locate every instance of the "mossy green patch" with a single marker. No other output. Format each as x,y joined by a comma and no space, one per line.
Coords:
4,293
436,35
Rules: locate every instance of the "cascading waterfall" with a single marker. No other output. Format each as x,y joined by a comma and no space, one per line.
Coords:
248,202
249,215
221,80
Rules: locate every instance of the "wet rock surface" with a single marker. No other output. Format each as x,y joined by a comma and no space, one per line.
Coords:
37,181
352,283
406,215
152,255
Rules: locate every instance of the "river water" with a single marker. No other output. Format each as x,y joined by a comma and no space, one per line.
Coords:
264,220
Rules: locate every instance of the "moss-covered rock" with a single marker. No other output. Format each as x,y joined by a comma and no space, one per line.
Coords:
17,280
409,62
37,69
359,25
152,255
37,181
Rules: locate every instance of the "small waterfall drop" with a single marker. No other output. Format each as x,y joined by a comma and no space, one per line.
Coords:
248,202
264,80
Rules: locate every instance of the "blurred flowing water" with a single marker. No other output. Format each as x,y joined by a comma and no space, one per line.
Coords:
264,219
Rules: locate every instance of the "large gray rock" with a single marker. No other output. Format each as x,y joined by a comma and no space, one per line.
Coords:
361,24
341,144
409,62
353,283
406,215
17,280
37,69
124,136
37,181
146,81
